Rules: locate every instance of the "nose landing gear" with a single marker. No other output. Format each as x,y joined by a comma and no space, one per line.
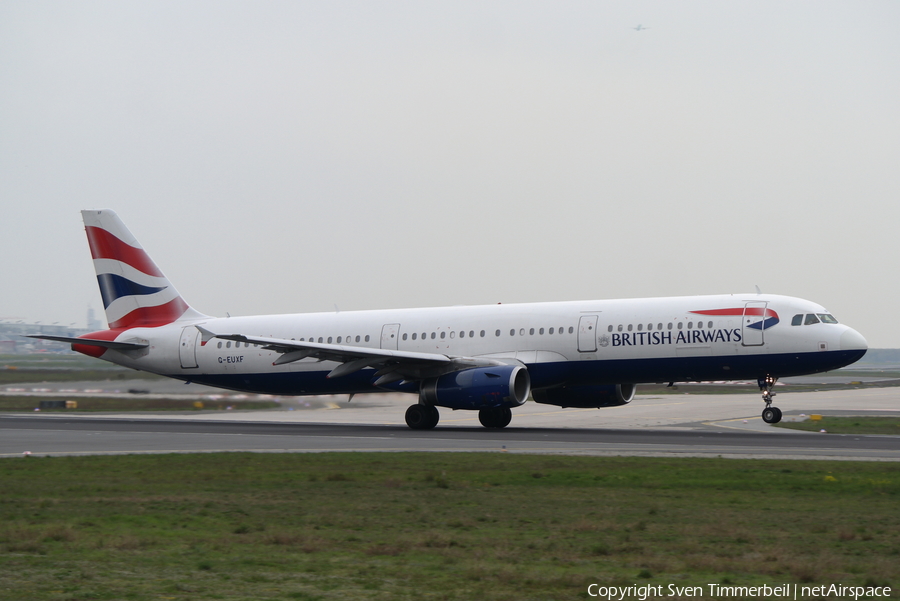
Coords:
770,415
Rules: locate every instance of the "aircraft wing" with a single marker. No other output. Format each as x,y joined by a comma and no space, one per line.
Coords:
119,346
394,365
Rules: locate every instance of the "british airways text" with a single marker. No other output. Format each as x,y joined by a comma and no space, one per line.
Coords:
689,337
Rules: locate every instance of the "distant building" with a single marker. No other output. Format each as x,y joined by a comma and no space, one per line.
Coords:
93,324
12,337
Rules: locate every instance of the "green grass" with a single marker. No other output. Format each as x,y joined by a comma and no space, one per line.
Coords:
435,526
848,425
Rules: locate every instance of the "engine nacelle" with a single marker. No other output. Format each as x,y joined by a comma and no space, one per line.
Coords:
479,388
585,397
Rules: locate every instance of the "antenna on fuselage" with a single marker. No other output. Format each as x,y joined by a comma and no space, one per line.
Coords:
758,291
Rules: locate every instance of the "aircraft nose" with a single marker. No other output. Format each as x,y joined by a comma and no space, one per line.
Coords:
851,340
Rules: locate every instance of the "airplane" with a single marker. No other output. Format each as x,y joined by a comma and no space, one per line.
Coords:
488,358
640,28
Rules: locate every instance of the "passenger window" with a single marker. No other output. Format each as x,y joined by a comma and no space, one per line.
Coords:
414,335
228,344
497,333
433,335
512,332
482,333
690,325
640,327
659,326
609,329
339,340
220,344
680,325
404,337
472,333
521,331
541,331
827,318
629,327
649,326
669,326
367,337
531,332
709,325
329,340
811,319
452,334
462,334
443,335
797,320
620,327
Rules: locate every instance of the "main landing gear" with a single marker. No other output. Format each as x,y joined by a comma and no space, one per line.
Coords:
770,415
495,417
425,417
422,417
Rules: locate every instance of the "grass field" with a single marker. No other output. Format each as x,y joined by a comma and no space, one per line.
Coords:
848,425
435,526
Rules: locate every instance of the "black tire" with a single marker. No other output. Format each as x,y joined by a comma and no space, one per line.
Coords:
433,416
777,415
420,417
503,417
486,417
495,417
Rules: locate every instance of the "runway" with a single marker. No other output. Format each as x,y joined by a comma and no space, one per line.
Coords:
666,425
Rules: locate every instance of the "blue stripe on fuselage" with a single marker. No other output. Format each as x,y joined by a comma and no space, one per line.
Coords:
543,375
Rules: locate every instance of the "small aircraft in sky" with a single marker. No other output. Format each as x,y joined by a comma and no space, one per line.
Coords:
488,358
640,28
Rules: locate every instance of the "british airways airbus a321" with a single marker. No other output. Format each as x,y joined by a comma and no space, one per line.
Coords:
487,358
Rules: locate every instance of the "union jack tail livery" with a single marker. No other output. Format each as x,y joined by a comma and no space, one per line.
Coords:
135,292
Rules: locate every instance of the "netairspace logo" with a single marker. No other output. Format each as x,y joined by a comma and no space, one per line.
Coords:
720,591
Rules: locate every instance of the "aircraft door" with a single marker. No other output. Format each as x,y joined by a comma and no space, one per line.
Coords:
753,324
187,347
390,336
587,334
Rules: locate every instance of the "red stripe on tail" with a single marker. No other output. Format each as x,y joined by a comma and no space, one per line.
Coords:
149,317
106,246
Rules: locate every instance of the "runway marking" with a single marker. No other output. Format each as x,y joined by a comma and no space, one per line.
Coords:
616,451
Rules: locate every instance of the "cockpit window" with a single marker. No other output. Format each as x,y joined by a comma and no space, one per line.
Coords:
811,319
826,318
797,320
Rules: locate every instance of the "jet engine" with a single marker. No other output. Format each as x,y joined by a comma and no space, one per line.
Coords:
478,388
585,397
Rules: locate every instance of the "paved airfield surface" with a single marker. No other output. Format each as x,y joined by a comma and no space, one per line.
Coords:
665,425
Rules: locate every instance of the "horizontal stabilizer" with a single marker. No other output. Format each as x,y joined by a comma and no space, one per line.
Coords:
113,344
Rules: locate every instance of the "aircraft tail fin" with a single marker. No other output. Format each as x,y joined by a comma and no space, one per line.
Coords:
135,292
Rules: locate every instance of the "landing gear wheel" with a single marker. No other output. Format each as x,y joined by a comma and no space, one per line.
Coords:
434,416
771,415
422,417
495,417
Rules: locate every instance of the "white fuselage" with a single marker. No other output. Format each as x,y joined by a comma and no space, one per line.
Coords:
722,337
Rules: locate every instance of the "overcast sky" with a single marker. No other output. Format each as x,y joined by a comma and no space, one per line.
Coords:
278,157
